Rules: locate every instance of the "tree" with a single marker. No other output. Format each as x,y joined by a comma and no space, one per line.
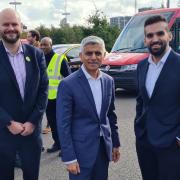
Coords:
100,27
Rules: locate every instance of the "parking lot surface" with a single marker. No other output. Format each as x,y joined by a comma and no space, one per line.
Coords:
126,169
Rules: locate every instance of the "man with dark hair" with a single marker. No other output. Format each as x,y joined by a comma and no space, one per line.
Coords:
157,122
23,99
33,37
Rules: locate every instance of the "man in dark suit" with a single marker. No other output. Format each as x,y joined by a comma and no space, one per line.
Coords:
23,99
87,123
157,122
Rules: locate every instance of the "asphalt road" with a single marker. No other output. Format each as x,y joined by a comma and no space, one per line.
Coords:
126,169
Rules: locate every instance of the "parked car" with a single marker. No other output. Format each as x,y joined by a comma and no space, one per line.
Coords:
71,51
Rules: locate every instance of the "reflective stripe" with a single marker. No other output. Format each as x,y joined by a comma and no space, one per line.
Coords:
55,77
52,87
57,66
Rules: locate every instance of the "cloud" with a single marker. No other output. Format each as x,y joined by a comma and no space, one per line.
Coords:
49,12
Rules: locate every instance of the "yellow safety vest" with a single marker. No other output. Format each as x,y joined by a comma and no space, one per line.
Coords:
54,74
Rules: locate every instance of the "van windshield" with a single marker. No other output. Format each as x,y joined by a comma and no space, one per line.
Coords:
132,37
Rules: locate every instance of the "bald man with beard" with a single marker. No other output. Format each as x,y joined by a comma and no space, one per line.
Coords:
23,99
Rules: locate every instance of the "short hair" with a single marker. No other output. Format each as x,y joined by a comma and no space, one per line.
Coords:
47,39
35,33
92,40
154,19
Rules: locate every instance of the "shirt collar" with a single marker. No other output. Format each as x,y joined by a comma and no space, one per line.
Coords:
20,50
88,76
163,59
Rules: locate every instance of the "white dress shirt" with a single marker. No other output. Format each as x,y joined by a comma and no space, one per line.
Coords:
95,85
153,72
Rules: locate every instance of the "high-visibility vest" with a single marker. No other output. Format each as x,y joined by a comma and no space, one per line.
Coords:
54,74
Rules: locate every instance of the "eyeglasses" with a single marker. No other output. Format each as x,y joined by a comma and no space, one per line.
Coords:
90,53
159,34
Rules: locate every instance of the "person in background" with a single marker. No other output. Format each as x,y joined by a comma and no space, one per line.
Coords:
33,38
23,99
157,122
57,69
86,119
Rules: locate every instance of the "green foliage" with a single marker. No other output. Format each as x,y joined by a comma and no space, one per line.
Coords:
101,28
98,26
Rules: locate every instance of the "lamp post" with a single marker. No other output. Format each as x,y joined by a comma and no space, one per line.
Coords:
135,6
15,3
66,13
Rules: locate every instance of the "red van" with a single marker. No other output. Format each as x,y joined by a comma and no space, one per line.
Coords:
129,50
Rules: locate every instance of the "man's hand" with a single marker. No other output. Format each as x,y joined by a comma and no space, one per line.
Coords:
15,127
73,168
115,154
28,129
178,142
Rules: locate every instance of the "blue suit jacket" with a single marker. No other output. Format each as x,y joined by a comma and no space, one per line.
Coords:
12,106
78,122
158,117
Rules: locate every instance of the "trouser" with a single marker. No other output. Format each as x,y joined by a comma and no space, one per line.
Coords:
51,118
159,163
29,149
99,171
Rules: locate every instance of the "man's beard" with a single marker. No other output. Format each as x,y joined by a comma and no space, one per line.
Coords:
158,52
10,40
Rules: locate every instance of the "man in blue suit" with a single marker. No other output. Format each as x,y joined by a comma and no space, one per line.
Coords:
157,122
23,99
86,120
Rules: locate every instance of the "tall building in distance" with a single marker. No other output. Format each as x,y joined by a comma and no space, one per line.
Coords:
119,21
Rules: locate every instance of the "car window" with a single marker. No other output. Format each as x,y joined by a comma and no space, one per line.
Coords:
74,52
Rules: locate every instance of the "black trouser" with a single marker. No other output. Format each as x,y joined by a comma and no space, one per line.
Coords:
51,118
29,149
159,163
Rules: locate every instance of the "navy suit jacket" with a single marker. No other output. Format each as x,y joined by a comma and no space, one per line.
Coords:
78,122
158,117
12,106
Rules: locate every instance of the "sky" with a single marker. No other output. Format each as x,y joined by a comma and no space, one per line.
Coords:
49,12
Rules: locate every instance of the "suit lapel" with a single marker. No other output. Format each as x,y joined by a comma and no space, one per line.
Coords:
162,74
144,74
28,66
7,66
87,89
103,88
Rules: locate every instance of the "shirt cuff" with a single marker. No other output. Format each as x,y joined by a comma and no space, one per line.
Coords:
178,138
70,162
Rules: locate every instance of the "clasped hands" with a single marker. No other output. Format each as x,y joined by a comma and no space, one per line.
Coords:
24,129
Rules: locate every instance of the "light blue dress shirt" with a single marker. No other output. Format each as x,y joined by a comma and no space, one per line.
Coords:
18,64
